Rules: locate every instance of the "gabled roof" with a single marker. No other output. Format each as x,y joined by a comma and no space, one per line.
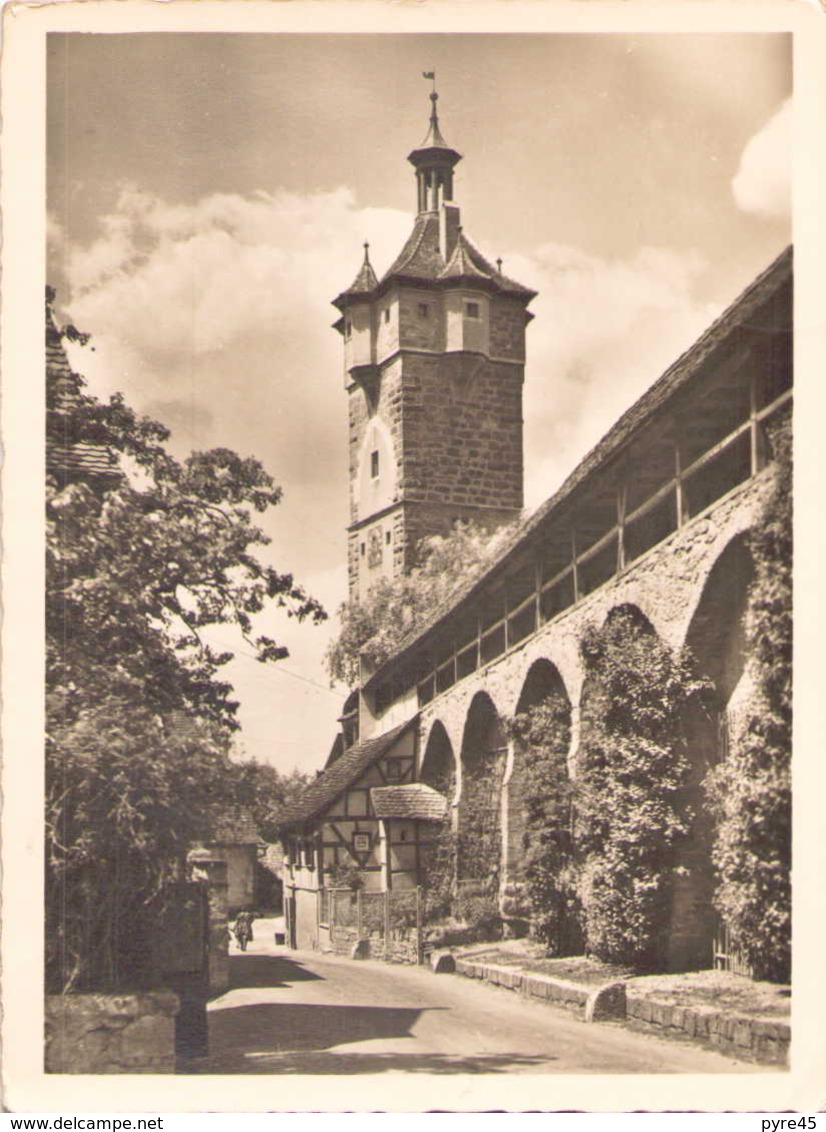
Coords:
415,800
739,313
339,776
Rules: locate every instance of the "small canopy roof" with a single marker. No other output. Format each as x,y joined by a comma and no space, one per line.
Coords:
415,800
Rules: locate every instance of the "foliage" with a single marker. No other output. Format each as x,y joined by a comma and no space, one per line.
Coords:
750,792
477,907
374,626
125,789
344,876
265,792
480,825
632,810
138,721
542,736
437,868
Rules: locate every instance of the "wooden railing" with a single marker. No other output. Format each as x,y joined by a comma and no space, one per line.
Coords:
518,606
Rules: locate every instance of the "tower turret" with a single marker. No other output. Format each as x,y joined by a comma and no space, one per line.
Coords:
434,361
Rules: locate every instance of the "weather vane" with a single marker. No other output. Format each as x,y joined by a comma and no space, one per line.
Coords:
432,76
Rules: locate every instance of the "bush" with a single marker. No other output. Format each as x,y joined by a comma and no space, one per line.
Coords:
437,867
750,793
632,810
478,908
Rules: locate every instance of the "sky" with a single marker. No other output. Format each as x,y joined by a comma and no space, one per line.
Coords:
208,196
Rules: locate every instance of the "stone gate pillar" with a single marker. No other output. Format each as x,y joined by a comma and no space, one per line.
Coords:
209,868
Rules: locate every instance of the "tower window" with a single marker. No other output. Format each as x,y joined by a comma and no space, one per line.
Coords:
424,310
387,314
388,537
471,310
374,464
348,329
362,549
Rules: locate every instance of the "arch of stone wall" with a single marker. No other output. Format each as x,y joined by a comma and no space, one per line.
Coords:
437,847
438,767
716,637
588,688
541,680
715,634
479,797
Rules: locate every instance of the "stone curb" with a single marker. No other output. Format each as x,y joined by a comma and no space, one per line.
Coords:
762,1039
759,1039
570,995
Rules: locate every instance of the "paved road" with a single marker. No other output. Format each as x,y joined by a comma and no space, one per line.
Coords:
301,1012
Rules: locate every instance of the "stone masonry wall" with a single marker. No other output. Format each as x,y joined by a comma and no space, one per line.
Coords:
97,1033
507,329
462,440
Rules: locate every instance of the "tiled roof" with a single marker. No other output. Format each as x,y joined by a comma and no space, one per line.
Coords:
70,459
420,257
365,280
81,461
339,776
674,378
233,825
415,800
467,262
363,283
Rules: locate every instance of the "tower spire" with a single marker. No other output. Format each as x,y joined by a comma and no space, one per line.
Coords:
434,160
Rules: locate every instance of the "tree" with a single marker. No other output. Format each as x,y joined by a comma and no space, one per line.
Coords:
138,720
265,792
750,792
374,627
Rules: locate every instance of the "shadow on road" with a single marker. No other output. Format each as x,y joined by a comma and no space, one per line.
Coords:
267,971
243,1034
355,1063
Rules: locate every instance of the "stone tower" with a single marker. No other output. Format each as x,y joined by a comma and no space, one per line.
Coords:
434,361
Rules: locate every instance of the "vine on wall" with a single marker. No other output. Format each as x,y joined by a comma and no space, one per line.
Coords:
542,736
750,793
480,825
632,810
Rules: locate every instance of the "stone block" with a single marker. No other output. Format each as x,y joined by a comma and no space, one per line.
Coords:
743,1036
606,1002
442,962
360,949
98,1033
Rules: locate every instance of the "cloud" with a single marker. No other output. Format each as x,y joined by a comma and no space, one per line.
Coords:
605,329
762,184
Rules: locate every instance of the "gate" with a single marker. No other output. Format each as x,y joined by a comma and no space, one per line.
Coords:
726,956
378,925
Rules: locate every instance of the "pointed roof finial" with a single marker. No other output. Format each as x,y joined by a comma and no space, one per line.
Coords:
499,265
366,251
434,134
